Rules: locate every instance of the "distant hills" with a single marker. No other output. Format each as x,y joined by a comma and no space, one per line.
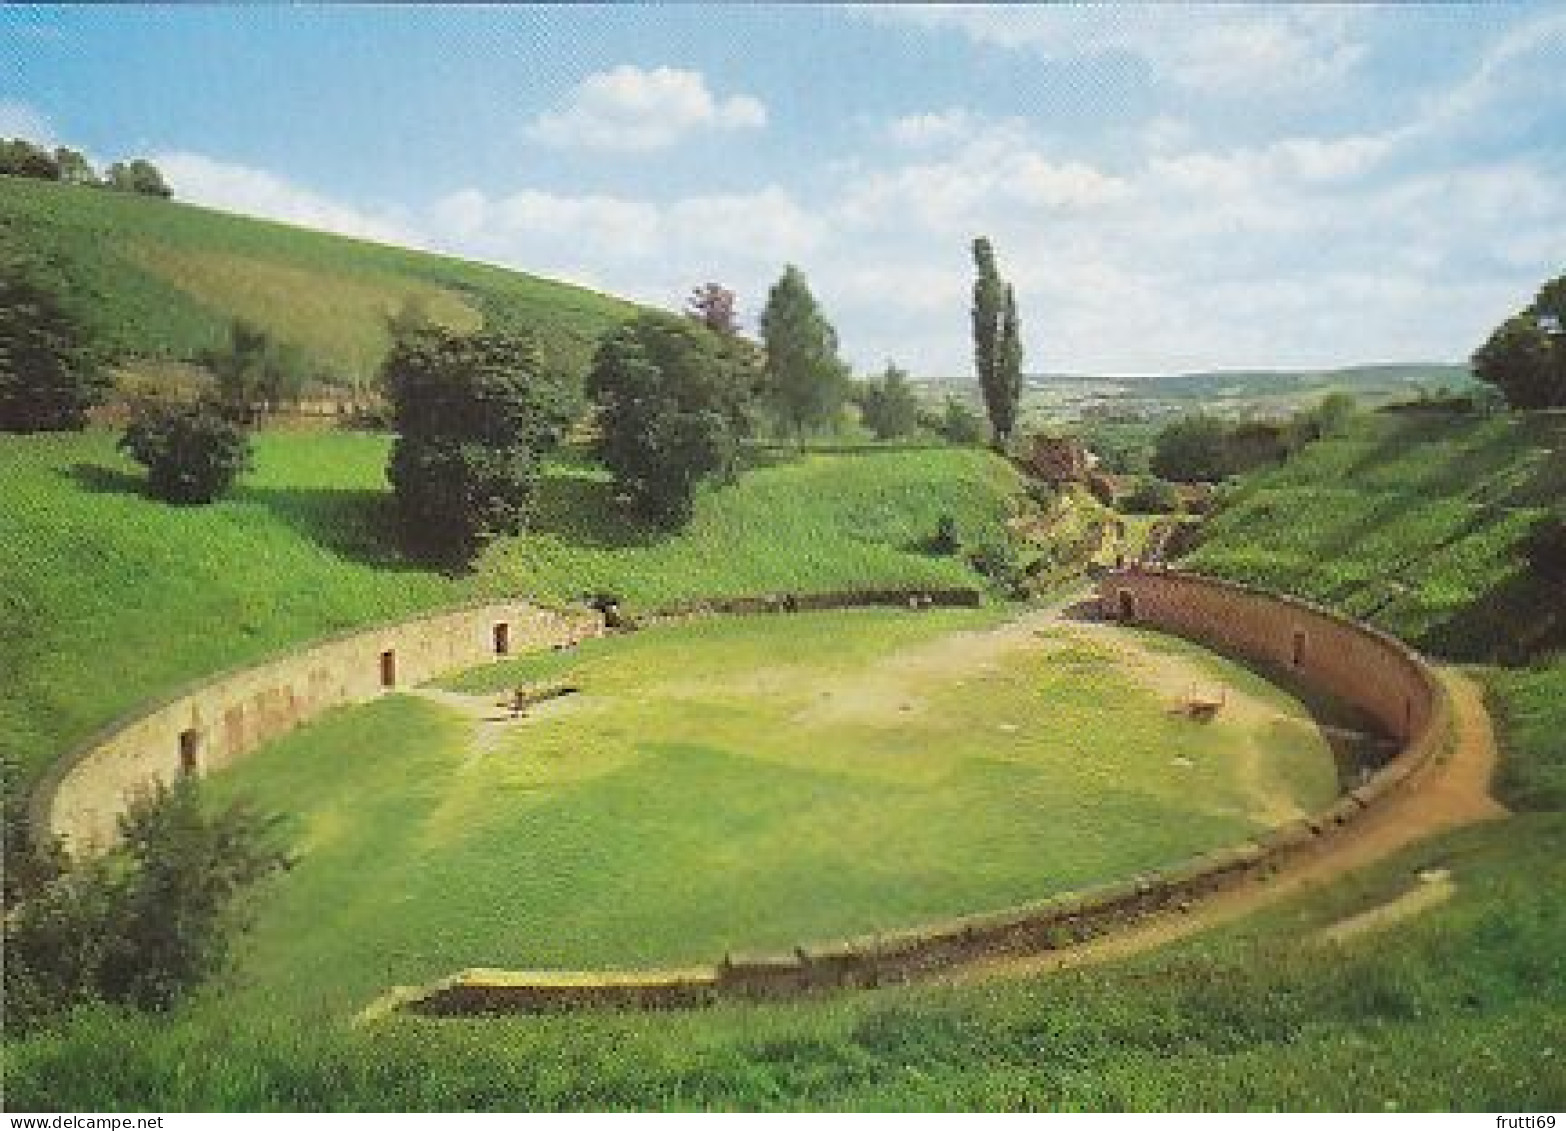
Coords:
1075,395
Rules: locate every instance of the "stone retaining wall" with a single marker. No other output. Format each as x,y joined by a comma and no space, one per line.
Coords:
207,726
1352,661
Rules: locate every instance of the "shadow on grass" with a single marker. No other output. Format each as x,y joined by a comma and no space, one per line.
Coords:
581,510
358,524
100,480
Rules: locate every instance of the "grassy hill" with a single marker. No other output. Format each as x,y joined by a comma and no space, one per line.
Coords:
163,280
1413,522
110,598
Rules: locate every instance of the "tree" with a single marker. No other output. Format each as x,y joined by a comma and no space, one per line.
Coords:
475,416
1520,359
888,406
671,413
145,922
192,452
73,167
713,306
997,343
958,424
21,158
255,373
1192,449
138,176
1525,356
49,377
805,383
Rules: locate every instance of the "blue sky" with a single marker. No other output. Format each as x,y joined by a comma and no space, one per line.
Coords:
1169,187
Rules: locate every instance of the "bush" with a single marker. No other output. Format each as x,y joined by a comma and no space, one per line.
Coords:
1151,495
145,922
959,424
1545,546
192,452
945,540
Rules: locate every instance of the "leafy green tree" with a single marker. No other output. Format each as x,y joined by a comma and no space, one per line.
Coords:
22,158
139,176
997,343
255,373
73,167
145,922
957,424
1521,359
1192,449
805,384
671,413
49,376
888,406
475,417
193,453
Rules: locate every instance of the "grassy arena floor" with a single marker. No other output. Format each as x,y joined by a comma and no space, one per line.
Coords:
735,783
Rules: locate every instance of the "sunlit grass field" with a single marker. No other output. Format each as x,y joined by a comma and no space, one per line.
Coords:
733,785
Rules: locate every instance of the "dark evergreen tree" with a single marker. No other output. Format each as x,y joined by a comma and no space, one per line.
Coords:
49,376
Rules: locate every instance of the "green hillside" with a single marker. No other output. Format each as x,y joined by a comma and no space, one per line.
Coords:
1413,522
163,280
110,598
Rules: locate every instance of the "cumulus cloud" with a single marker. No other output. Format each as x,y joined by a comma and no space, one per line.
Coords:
630,109
256,192
1220,49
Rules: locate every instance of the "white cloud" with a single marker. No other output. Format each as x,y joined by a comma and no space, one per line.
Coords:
918,130
630,109
18,119
1221,49
256,192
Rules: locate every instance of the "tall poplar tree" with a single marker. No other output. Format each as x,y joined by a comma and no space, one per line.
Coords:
997,343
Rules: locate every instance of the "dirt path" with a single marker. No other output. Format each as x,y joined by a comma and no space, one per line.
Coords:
1446,795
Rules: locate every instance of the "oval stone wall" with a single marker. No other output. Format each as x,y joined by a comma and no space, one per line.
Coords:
1351,661
209,725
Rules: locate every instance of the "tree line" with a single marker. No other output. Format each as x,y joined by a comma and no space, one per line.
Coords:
22,158
668,400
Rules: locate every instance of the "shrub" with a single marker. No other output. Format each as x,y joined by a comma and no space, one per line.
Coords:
145,922
1151,495
192,452
959,424
1545,546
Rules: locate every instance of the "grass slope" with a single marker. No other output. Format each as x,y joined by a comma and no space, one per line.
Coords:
1411,522
110,598
163,280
